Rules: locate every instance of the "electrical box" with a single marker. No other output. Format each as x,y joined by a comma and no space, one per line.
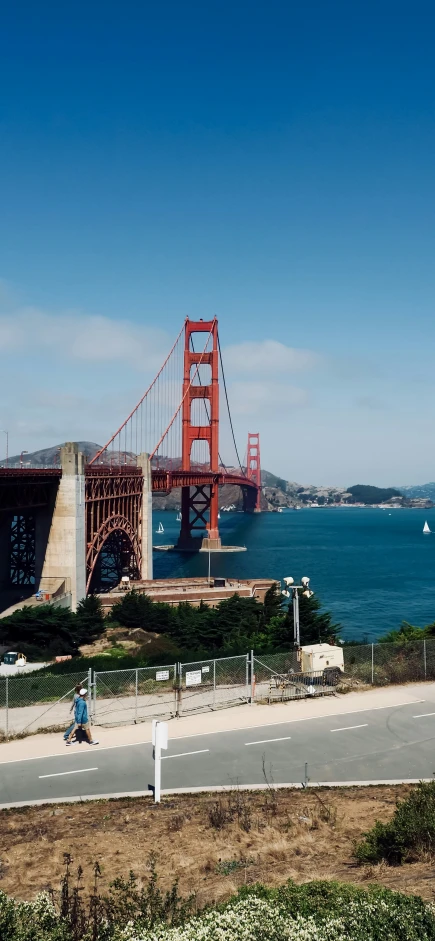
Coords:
316,657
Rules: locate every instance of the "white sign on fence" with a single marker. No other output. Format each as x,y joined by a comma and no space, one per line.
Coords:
162,675
206,669
193,678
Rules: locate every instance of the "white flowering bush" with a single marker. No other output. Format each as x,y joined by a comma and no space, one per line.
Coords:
317,911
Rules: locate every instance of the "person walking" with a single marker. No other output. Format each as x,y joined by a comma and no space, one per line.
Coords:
81,719
73,707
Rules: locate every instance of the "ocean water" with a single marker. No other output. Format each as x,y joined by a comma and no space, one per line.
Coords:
371,568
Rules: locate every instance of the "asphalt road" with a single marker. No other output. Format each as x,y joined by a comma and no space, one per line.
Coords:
388,743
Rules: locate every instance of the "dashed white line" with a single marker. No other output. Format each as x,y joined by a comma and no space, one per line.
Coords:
265,741
423,715
60,774
348,728
184,754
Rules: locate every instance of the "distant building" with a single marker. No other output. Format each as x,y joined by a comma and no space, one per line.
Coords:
193,590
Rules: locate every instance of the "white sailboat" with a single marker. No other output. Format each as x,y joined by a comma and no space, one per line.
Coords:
219,516
426,527
160,529
178,517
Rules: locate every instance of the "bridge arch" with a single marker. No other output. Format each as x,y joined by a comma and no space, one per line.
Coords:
119,539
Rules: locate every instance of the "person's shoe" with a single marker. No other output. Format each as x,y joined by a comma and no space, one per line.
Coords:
94,742
73,742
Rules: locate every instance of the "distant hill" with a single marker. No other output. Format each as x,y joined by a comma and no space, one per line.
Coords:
364,493
424,491
49,456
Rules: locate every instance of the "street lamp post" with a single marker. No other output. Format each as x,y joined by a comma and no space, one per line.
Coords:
293,593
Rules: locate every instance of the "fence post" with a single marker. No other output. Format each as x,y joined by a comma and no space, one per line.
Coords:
214,683
7,707
373,665
247,678
179,682
252,678
94,689
424,657
135,695
90,692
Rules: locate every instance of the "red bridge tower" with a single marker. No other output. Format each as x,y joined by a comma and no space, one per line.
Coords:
253,466
202,499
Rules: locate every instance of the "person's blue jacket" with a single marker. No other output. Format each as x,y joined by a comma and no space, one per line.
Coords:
81,711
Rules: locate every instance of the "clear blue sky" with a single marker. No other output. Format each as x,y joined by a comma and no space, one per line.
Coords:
270,163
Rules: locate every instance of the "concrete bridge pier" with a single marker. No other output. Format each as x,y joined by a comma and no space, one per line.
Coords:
143,461
65,551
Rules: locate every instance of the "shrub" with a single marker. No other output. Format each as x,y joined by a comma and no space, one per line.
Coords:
410,832
317,911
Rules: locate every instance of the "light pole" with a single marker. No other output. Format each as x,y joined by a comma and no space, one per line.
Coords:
7,446
21,457
293,593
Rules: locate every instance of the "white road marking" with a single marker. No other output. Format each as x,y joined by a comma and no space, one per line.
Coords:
264,741
59,774
183,754
423,714
347,728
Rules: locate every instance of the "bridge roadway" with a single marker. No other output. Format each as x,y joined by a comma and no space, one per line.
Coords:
394,741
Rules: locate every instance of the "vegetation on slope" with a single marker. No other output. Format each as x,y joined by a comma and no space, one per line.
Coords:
316,911
408,835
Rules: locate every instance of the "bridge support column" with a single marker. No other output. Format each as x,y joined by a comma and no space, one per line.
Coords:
65,553
143,461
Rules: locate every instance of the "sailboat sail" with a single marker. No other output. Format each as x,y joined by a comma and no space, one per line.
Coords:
160,529
426,527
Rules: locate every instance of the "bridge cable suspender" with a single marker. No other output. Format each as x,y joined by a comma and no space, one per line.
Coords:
228,407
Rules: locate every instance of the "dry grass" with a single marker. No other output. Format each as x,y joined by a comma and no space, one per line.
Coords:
264,837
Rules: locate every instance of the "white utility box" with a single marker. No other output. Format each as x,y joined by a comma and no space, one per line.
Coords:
320,657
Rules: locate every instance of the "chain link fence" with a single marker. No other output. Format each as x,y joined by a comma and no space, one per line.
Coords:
34,703
381,664
30,704
213,684
130,696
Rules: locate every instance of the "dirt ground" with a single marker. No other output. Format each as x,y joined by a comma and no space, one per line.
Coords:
272,836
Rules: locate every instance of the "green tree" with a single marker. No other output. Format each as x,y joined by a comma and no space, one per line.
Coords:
40,630
134,609
406,634
273,603
316,625
89,619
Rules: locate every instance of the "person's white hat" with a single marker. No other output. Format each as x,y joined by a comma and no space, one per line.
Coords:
83,692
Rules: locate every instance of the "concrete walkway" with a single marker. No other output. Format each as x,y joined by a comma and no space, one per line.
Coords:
238,717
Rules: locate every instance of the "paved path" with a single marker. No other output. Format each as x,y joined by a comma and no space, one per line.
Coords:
380,735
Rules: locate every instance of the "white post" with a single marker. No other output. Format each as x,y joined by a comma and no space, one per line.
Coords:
160,740
252,678
424,656
373,664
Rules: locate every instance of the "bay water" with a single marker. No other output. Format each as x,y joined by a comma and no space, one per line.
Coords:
371,568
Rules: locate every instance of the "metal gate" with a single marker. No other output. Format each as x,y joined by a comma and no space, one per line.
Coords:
129,696
213,684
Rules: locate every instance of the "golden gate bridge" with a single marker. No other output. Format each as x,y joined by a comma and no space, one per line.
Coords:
50,517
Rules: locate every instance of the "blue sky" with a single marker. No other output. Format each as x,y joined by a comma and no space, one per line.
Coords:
271,164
